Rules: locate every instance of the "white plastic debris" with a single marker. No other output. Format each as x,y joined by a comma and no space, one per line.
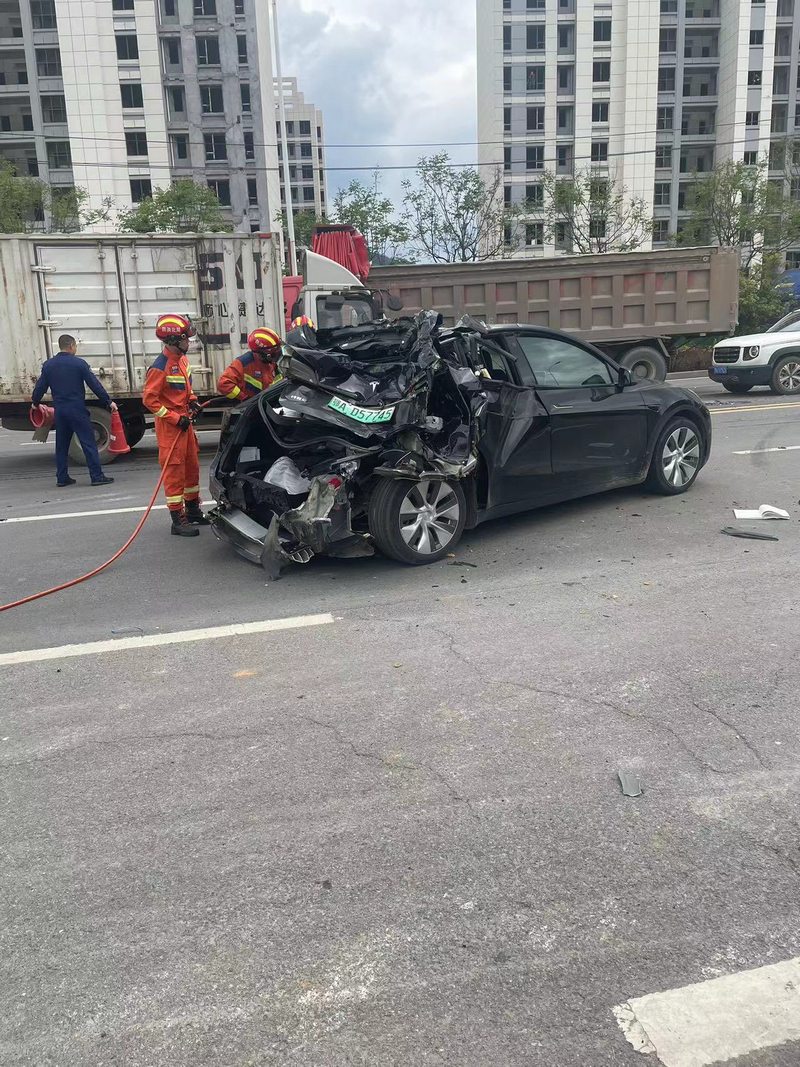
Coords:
766,511
285,474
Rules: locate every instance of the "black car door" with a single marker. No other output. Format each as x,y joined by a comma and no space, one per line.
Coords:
598,430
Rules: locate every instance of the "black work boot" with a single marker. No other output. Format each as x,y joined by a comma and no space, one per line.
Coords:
180,525
194,515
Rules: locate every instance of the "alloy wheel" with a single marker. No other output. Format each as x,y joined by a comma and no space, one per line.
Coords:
789,377
681,456
429,516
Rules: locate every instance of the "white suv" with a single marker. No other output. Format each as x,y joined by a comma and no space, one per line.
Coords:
771,358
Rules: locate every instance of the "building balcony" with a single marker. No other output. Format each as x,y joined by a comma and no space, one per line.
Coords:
12,44
17,137
14,92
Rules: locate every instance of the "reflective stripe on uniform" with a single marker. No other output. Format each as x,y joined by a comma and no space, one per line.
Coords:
191,489
162,412
176,379
175,499
234,392
256,384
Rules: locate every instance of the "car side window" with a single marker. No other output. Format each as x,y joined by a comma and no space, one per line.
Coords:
496,365
558,364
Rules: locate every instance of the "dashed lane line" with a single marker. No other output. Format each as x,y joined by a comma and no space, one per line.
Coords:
178,637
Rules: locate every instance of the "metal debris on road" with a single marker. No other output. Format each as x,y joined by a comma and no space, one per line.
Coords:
631,786
733,531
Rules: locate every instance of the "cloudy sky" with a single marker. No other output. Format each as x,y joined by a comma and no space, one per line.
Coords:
384,72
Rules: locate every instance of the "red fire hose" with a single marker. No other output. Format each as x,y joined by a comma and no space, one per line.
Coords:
117,554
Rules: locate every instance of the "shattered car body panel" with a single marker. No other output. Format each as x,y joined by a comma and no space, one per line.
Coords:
306,467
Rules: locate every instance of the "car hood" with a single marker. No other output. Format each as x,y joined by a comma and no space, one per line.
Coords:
758,339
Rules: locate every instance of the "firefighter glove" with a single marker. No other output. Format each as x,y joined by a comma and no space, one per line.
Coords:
184,422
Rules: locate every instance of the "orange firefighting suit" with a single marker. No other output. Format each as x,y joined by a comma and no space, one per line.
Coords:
168,393
246,377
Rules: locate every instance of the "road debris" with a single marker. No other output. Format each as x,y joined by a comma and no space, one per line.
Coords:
734,531
631,786
765,511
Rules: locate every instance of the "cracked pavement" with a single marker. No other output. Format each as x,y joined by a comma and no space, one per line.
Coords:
399,838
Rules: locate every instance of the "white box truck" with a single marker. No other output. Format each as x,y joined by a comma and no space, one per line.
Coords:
108,291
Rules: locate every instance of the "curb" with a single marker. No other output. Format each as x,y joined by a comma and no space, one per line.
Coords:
688,374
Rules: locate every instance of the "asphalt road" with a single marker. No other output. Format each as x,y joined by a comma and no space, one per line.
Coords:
399,837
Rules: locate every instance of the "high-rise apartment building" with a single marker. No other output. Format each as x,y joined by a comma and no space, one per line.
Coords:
305,146
649,92
120,97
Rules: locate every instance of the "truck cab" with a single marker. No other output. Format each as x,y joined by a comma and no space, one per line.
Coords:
330,295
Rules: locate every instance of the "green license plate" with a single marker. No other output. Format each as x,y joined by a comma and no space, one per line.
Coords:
361,414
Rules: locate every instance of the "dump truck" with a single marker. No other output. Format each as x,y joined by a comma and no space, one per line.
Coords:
108,291
628,304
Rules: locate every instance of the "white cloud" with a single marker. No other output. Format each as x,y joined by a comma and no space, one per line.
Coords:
393,73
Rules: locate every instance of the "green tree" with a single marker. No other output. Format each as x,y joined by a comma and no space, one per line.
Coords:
27,204
455,214
737,206
304,223
373,215
183,207
591,213
762,300
21,200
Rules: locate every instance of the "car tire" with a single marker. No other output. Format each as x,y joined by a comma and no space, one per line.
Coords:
736,387
677,457
417,522
785,380
644,363
101,424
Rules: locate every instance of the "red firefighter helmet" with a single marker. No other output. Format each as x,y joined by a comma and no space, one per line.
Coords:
264,341
171,327
302,320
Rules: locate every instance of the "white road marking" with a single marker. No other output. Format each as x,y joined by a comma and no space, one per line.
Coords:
717,1020
178,637
79,514
761,451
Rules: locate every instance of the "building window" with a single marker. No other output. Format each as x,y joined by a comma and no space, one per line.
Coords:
565,78
216,148
506,38
534,38
506,79
534,79
43,14
669,7
205,9
207,51
663,156
131,95
779,116
252,192
780,81
59,156
169,8
534,196
141,189
136,142
600,112
566,39
535,5
241,44
663,118
507,195
172,51
751,118
599,151
249,145
307,172
211,99
563,159
750,159
756,37
662,194
668,40
238,7
602,31
797,115
122,5
305,128
221,188
506,120
534,233
534,157
793,260
507,158
535,119
244,92
127,46
601,71
5,123
180,146
661,230
565,115
48,62
666,79
754,77
54,109
308,195
177,101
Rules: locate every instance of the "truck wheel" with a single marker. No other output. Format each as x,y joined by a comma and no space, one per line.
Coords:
785,378
736,387
135,427
101,424
676,457
645,363
417,522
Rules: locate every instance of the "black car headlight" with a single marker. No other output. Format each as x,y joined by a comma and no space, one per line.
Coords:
751,353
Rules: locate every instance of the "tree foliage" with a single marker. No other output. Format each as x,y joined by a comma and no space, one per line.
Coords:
592,212
455,214
737,206
762,300
29,204
183,207
373,215
20,200
304,223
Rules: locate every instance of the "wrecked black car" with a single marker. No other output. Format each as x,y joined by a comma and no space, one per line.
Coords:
401,435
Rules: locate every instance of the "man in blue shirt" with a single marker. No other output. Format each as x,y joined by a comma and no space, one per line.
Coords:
66,376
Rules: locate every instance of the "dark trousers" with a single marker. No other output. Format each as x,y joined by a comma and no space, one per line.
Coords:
74,419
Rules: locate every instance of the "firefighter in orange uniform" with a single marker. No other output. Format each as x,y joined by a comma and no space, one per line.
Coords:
253,371
169,395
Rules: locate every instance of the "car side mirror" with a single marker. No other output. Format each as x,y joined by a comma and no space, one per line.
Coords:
624,377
